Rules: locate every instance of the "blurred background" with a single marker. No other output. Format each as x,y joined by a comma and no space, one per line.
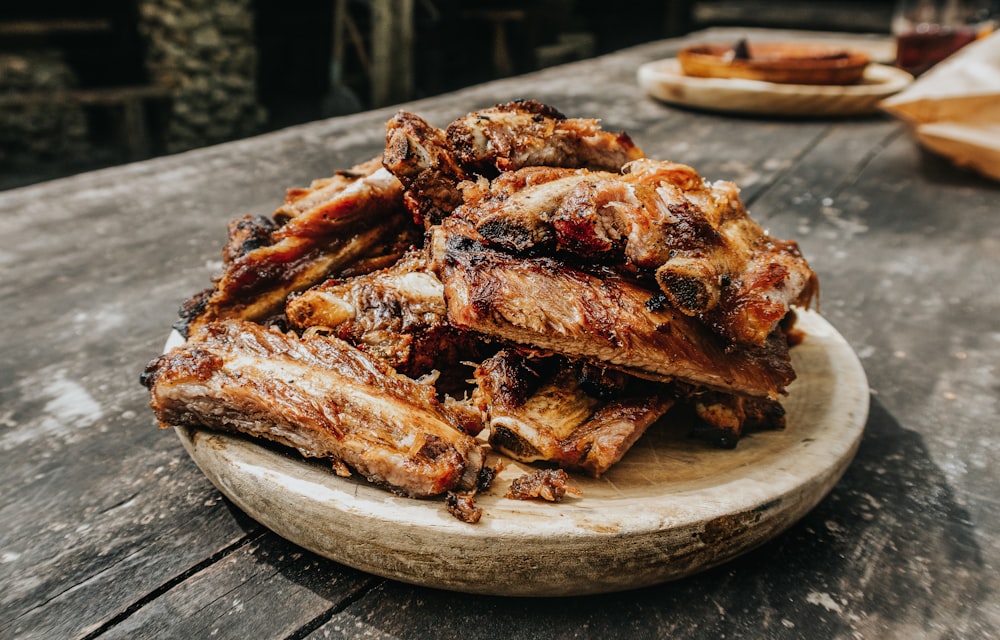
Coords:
85,85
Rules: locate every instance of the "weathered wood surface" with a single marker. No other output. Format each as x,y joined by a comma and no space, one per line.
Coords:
107,529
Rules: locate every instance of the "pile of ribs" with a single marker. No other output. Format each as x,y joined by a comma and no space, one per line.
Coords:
518,281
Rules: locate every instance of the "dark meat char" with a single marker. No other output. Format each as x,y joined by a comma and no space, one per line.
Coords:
595,288
541,411
345,224
660,220
723,419
320,396
548,484
516,211
526,133
544,303
432,163
396,314
421,157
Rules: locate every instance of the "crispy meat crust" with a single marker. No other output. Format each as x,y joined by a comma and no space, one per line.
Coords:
432,163
345,224
320,396
615,285
657,220
396,314
544,303
547,411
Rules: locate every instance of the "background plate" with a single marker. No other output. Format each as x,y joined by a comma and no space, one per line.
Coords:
665,81
673,506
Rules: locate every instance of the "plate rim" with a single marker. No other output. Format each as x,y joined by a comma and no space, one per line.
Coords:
729,94
370,529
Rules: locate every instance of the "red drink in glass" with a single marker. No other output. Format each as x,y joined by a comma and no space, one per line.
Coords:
920,49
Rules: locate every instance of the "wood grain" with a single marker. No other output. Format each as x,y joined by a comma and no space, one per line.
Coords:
102,516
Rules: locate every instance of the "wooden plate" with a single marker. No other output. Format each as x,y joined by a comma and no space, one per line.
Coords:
664,80
672,507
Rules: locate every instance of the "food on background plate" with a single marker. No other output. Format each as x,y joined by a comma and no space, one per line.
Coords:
779,62
518,281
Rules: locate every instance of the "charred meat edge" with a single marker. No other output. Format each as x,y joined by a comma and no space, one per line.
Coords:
320,396
543,303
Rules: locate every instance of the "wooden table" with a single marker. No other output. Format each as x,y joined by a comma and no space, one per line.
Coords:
108,530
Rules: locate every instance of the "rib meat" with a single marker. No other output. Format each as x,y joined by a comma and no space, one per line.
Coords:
320,396
546,484
432,163
516,210
545,303
720,264
421,157
723,419
347,224
659,220
596,288
396,314
543,411
526,133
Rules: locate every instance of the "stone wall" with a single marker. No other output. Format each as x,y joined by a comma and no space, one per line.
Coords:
46,131
204,51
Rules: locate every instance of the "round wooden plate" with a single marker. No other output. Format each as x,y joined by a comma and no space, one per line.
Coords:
671,507
664,80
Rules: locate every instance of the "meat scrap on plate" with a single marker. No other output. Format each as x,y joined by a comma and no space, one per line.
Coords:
518,281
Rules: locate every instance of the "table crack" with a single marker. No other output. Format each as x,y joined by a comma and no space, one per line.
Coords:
308,628
866,160
152,595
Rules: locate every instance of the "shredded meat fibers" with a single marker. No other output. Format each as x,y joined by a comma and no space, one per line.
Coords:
546,484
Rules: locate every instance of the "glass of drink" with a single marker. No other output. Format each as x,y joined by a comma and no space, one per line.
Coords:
928,31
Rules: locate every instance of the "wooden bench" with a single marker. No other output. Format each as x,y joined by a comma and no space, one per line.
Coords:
133,127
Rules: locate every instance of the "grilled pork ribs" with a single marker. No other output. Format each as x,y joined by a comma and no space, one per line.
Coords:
519,273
